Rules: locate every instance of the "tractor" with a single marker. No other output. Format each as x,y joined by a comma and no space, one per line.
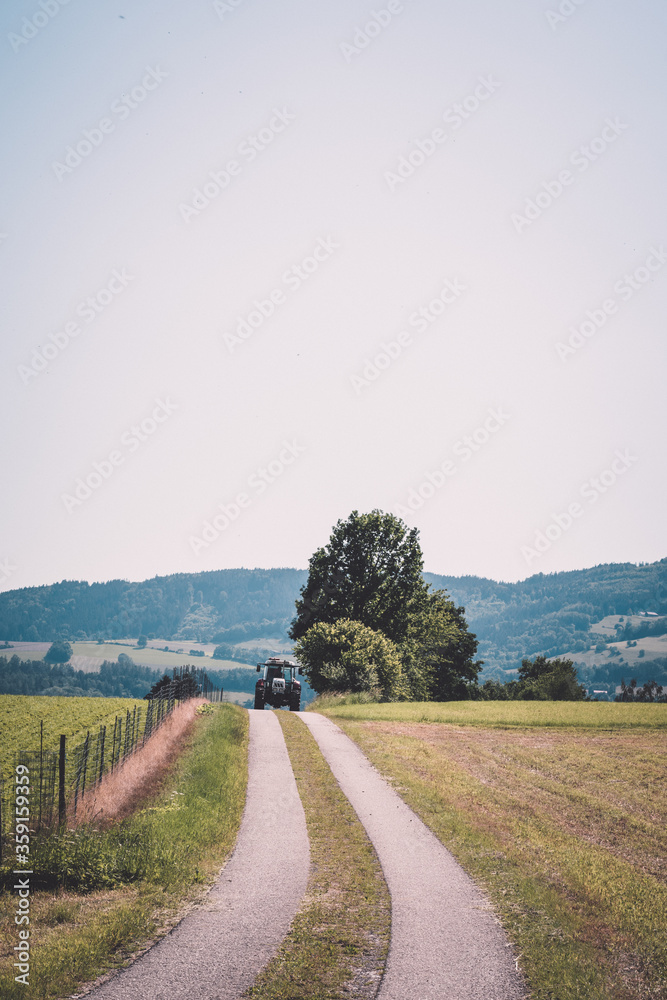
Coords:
278,685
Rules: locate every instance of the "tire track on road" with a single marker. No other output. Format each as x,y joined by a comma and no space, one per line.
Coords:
216,951
446,943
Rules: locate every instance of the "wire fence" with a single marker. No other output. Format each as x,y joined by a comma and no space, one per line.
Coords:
59,779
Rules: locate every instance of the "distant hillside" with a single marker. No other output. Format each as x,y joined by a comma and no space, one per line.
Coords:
229,605
549,614
552,614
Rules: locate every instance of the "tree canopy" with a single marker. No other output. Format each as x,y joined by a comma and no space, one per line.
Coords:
438,652
369,572
650,691
367,621
59,651
549,680
349,656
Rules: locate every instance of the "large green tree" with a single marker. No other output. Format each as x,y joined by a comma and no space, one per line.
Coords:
438,652
549,680
369,572
349,656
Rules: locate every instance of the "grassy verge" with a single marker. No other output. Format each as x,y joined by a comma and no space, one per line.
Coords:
169,850
564,828
337,944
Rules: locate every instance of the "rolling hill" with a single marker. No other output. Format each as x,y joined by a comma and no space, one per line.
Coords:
249,611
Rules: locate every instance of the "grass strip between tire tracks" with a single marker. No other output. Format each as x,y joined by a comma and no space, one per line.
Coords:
182,838
338,942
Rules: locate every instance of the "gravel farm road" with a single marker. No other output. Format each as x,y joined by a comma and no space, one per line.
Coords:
445,942
217,950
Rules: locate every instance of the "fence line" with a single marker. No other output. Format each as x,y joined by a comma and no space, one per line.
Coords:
60,778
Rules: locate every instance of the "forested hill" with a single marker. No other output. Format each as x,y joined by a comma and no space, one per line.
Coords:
551,614
225,605
548,614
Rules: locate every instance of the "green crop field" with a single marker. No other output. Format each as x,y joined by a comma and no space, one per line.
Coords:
20,718
506,714
559,811
121,887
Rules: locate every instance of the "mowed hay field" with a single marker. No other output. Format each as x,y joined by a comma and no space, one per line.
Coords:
559,812
89,656
146,657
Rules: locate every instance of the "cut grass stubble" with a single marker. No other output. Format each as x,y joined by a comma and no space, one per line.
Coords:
564,829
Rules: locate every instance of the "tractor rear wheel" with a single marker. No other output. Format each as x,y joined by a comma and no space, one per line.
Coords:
259,700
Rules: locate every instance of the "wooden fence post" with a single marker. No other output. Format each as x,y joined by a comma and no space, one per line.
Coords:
85,764
62,814
41,770
103,733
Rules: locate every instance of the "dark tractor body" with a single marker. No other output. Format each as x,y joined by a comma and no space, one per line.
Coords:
278,686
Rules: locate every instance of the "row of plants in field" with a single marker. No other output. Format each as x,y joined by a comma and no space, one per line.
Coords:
50,784
35,722
28,721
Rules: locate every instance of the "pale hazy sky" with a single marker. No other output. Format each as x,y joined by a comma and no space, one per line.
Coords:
269,263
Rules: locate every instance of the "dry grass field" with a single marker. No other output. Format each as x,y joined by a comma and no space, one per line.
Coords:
559,811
